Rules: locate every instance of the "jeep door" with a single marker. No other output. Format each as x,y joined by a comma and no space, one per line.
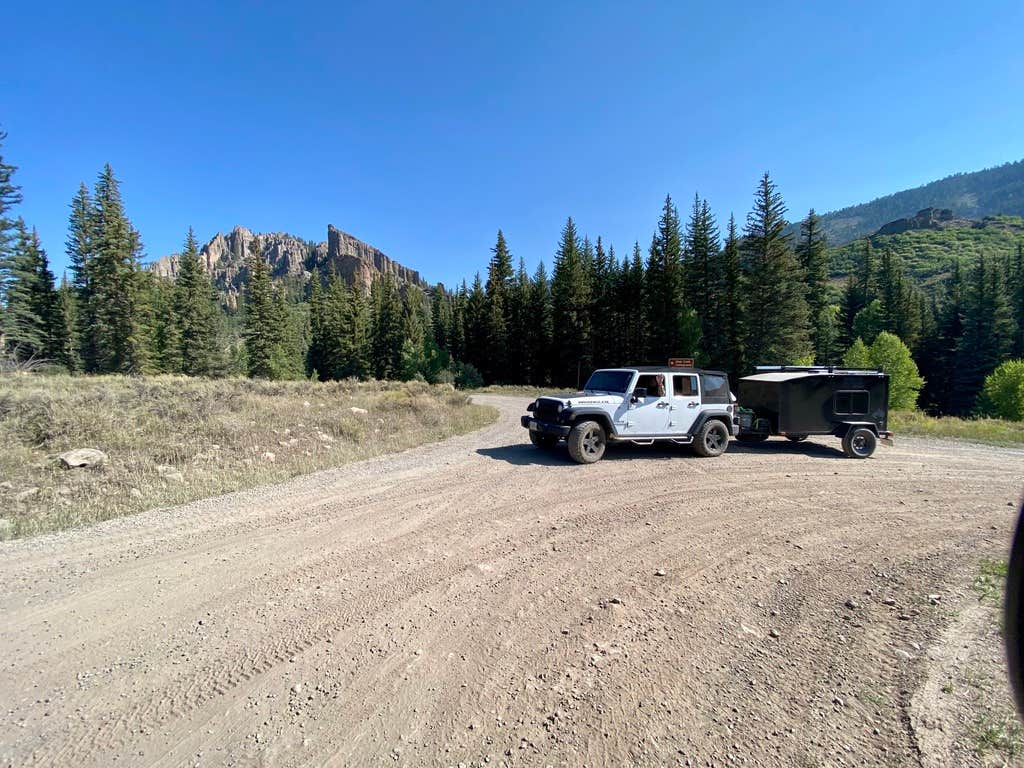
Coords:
649,415
683,403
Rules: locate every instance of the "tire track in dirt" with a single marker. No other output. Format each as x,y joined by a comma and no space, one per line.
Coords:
455,602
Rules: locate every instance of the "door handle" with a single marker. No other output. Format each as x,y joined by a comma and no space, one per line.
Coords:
662,405
693,405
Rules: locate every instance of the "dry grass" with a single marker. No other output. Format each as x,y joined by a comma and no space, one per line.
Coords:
990,431
221,436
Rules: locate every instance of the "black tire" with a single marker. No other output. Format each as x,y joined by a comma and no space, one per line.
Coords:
859,443
796,438
543,441
751,437
712,439
587,442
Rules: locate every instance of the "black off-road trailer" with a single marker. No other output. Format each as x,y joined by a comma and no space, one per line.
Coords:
797,401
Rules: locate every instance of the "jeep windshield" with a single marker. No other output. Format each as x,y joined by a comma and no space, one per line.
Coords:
609,381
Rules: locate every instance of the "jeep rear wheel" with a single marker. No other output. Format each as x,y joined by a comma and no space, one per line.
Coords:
586,442
859,443
541,440
712,439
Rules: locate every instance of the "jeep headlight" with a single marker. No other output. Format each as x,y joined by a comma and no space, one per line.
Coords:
560,407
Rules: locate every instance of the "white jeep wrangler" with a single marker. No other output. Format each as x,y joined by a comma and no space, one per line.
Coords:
638,405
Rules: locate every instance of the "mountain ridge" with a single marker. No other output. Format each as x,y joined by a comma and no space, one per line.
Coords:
223,257
975,195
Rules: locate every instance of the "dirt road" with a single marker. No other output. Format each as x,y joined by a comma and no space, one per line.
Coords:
478,601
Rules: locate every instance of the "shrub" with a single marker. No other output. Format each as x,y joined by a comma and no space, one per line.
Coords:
1003,393
466,376
890,354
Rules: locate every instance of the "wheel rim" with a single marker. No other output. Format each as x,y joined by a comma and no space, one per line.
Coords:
592,442
713,440
860,444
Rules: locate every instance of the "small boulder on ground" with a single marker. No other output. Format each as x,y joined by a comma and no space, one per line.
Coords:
358,411
168,472
82,457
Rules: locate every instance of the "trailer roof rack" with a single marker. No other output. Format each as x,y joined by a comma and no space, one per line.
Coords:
816,369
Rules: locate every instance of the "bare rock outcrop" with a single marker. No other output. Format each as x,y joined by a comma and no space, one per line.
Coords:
224,258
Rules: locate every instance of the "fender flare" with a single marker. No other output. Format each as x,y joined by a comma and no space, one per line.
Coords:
572,415
706,416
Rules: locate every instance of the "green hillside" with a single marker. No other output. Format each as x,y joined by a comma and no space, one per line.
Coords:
927,253
990,192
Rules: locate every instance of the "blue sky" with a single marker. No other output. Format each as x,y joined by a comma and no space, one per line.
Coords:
424,127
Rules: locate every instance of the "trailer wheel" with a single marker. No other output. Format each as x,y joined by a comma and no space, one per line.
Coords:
543,441
712,439
859,443
586,442
796,438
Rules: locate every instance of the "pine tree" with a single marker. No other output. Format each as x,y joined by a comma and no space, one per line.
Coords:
291,332
260,330
605,310
987,334
860,291
673,329
519,322
441,317
335,340
475,318
540,346
570,309
359,334
631,298
80,248
494,359
195,309
163,332
316,354
729,333
777,322
31,319
1017,301
812,252
65,338
386,327
939,361
898,300
702,281
416,341
115,330
10,196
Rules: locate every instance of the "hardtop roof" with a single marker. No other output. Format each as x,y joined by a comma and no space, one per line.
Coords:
661,369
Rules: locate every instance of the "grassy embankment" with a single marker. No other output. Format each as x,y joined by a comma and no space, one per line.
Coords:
990,431
172,440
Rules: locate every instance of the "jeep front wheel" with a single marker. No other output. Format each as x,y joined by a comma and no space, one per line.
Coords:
541,440
586,442
712,439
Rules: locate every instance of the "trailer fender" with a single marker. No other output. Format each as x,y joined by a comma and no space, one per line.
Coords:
846,426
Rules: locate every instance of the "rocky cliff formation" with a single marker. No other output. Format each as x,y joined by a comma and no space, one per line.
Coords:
288,256
929,218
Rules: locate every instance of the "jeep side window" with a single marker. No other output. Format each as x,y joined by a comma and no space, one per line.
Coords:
716,388
654,383
684,386
851,403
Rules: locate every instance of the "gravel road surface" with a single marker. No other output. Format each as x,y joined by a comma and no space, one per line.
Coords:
479,601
